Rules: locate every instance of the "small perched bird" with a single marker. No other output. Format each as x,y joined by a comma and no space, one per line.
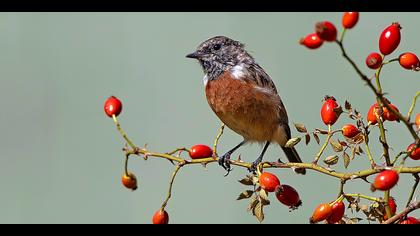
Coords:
244,97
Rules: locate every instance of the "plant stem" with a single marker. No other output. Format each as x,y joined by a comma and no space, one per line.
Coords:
412,206
171,182
413,189
327,140
358,195
122,132
369,154
413,104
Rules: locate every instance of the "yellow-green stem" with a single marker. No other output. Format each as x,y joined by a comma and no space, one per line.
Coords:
413,189
171,182
413,104
357,195
327,140
122,132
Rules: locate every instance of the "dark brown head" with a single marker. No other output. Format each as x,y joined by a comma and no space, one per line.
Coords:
220,53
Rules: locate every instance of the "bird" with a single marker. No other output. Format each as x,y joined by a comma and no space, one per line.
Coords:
244,98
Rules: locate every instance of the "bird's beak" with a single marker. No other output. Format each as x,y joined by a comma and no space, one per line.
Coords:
195,55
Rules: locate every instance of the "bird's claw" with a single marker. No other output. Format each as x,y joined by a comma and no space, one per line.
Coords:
254,166
224,162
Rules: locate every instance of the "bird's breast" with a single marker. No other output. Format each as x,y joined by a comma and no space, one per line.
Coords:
246,109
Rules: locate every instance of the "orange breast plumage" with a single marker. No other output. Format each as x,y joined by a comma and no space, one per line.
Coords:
247,109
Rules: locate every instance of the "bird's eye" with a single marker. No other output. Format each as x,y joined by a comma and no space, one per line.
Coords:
217,46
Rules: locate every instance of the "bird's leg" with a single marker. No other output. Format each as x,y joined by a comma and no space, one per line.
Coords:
259,159
224,161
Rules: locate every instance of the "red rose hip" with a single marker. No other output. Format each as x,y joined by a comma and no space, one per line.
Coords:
410,221
129,181
321,212
385,180
288,196
409,61
392,206
390,39
338,210
112,106
200,151
415,155
417,121
269,181
326,31
350,19
388,115
161,217
328,115
311,41
374,60
371,115
350,131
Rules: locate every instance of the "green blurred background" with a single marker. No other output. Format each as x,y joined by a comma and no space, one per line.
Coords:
61,158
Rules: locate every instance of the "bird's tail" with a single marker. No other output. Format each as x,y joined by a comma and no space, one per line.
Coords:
293,156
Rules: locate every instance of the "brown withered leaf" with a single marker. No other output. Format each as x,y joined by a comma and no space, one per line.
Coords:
337,147
359,150
300,128
338,110
347,105
263,195
321,131
245,194
292,142
246,181
252,203
316,137
346,158
307,139
353,152
331,160
258,212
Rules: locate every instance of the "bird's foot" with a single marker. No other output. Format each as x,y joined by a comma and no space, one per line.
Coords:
254,165
224,162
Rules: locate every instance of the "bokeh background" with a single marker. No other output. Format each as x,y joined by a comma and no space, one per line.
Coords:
61,158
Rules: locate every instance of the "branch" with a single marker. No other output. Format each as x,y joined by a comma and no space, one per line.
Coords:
378,94
412,206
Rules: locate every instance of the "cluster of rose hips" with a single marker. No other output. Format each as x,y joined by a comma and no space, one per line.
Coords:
385,180
286,194
388,41
326,31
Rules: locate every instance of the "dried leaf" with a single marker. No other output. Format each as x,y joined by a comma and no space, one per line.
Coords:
292,142
252,203
347,105
258,212
245,194
346,159
263,195
316,138
337,147
246,181
360,150
300,127
321,131
331,160
338,111
307,139
353,152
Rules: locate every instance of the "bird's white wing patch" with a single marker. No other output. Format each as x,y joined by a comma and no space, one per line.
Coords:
205,80
238,71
